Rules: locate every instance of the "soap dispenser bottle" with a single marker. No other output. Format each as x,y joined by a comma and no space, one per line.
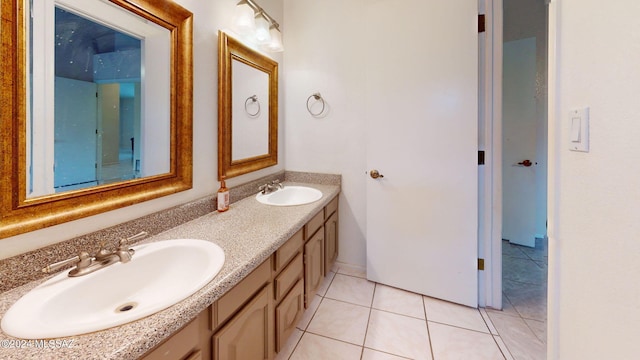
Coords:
223,196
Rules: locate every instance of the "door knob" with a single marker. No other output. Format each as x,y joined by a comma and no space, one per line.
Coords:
526,163
375,174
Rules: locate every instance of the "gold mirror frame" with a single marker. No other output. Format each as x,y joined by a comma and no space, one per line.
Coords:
19,214
231,49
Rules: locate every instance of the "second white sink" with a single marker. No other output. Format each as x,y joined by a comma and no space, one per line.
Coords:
290,196
159,275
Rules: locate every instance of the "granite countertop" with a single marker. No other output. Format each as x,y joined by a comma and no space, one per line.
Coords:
249,232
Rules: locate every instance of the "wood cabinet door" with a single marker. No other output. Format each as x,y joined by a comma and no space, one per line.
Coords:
288,313
249,335
313,265
330,242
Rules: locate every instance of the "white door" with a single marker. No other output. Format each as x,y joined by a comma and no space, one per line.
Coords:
421,105
519,163
75,134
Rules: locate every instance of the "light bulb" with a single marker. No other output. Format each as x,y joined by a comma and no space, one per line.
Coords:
243,20
263,36
276,40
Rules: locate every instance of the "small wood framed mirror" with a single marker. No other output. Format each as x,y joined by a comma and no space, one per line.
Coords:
247,109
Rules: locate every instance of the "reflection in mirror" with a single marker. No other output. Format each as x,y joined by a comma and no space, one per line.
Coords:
250,122
96,107
101,98
247,109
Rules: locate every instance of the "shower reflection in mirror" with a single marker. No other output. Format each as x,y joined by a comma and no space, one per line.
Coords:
98,113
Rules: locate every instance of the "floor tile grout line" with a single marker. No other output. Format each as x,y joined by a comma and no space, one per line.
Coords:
493,337
426,321
507,345
522,282
314,313
384,352
520,315
346,302
459,327
296,345
366,329
397,313
304,331
532,331
353,276
330,338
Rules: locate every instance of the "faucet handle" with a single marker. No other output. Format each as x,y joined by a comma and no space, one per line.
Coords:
263,188
82,260
135,237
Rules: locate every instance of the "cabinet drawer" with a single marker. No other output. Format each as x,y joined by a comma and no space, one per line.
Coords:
183,343
288,277
313,225
288,313
287,251
331,207
230,302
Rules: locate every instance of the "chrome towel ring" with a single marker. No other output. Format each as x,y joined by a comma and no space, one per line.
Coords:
317,97
254,99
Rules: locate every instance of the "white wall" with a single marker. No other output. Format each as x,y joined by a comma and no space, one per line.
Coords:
209,17
324,54
594,292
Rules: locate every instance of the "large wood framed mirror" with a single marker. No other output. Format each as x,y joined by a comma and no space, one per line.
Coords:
247,109
96,108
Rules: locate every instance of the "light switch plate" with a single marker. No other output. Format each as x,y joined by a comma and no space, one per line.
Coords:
579,130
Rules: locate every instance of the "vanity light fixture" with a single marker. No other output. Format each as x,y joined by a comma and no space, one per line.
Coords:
252,21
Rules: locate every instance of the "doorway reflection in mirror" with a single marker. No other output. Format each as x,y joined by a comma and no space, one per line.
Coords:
98,103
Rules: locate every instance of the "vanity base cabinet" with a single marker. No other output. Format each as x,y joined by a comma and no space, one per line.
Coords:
254,319
248,335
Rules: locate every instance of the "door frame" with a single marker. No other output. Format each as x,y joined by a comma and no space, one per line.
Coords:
490,191
490,284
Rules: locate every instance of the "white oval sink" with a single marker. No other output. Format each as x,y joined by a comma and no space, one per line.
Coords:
290,195
159,275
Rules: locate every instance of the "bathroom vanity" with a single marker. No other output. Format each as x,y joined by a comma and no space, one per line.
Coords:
276,258
254,319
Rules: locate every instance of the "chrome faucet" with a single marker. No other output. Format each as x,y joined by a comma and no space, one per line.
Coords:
271,187
86,264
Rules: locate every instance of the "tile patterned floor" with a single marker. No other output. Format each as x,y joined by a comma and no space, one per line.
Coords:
522,323
353,318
